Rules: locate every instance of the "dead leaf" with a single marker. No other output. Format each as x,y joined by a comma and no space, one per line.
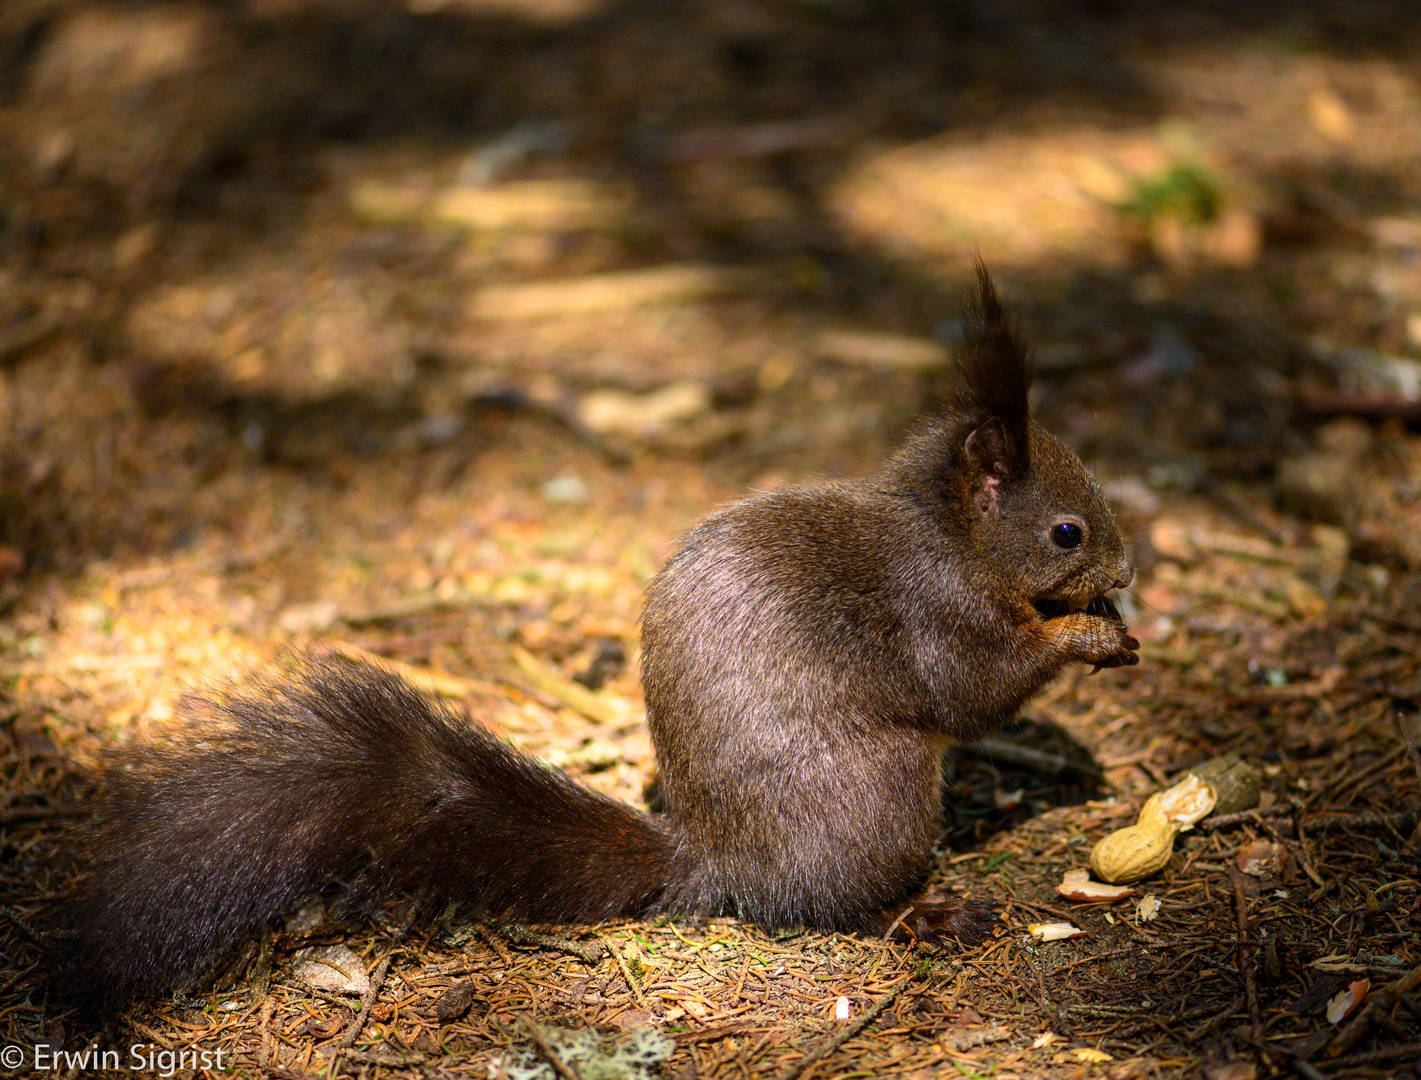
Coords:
454,1002
1343,1004
1265,859
334,968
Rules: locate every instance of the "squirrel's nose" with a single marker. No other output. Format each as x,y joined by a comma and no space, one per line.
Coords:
1125,575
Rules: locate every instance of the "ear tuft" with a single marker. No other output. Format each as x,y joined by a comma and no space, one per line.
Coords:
994,374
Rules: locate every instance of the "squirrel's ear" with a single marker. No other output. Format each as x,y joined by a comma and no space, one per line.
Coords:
986,447
994,375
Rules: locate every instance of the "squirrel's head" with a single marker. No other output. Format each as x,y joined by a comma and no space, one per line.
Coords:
1021,501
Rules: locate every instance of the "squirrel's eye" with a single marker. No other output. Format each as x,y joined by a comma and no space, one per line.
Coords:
1067,535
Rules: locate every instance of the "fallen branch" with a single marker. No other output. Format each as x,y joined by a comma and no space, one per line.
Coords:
589,952
575,696
1223,821
627,974
367,1001
1037,761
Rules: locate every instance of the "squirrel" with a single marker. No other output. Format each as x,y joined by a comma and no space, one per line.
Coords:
807,656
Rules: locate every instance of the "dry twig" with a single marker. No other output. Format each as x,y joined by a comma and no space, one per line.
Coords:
563,1068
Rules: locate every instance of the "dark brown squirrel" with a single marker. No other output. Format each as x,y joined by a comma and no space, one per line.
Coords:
807,655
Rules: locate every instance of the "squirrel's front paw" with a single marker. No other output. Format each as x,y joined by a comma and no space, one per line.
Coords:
1118,647
1095,639
1126,655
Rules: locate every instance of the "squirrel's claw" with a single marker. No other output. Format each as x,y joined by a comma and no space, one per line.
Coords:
1127,657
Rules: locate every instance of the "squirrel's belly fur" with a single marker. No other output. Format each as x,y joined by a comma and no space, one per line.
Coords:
805,656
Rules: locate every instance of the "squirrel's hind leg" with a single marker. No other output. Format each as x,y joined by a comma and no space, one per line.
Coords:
937,920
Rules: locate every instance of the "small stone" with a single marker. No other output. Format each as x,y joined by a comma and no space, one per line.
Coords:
454,1002
1236,782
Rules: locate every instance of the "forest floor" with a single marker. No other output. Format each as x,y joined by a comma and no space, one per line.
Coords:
425,329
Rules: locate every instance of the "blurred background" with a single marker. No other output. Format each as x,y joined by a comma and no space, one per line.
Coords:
341,239
423,327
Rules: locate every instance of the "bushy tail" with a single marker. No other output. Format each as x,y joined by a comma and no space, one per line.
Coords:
330,772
